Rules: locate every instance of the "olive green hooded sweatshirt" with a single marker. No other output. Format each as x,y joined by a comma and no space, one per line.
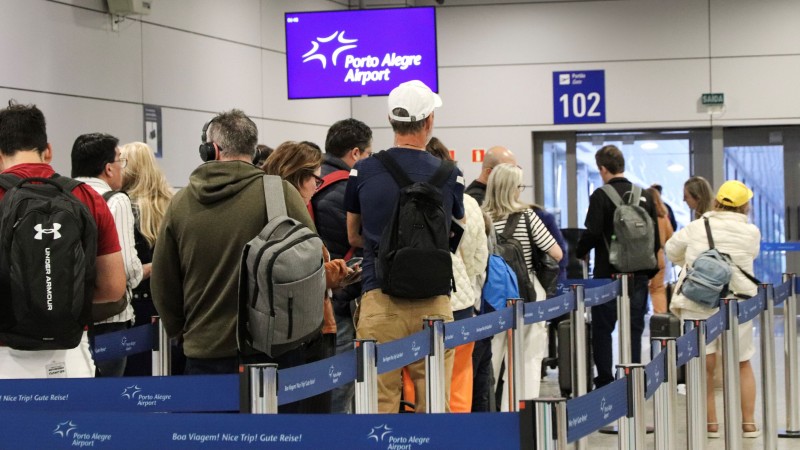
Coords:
198,252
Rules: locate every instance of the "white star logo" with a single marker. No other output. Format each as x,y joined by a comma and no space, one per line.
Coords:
379,432
131,391
347,44
65,428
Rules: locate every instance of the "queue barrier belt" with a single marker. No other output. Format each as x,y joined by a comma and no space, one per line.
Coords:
57,409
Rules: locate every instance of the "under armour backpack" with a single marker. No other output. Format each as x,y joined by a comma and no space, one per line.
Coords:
631,247
513,254
47,263
281,281
414,254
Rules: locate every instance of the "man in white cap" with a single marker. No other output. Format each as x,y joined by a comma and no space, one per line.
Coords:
370,200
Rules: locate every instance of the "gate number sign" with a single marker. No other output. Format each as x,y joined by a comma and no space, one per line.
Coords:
579,97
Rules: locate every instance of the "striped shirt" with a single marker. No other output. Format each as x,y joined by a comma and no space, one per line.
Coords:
541,237
121,210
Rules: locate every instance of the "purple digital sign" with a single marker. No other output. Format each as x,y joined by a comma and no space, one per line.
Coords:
363,52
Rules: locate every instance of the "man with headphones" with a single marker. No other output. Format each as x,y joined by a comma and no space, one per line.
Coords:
198,251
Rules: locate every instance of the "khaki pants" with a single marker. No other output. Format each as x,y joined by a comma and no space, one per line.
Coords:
385,319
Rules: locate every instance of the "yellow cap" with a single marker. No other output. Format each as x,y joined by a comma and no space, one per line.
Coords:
734,193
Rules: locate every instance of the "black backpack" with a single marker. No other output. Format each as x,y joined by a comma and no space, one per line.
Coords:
414,255
511,250
47,263
544,266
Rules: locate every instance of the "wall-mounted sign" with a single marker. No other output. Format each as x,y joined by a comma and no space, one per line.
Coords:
713,98
579,97
477,155
152,128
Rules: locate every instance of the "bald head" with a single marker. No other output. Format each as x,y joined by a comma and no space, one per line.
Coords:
498,155
493,157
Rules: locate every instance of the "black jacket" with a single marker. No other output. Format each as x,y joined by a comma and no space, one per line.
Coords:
476,190
600,226
330,218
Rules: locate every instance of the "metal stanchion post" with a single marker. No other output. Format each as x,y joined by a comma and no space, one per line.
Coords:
514,356
632,429
579,352
435,387
551,423
366,387
664,404
624,320
696,389
768,393
162,352
730,362
791,361
259,388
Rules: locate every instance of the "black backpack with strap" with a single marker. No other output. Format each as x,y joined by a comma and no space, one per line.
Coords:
47,263
512,252
414,255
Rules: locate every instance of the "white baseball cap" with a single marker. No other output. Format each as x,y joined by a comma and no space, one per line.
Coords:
416,98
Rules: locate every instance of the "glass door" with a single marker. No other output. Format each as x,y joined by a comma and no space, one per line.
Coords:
766,160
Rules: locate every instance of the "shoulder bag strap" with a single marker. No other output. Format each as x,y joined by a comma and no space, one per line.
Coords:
107,196
612,194
511,225
747,275
708,233
273,196
442,174
66,183
333,178
635,195
8,181
534,247
394,169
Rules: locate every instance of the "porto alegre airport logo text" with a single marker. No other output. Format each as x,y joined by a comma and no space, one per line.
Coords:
350,53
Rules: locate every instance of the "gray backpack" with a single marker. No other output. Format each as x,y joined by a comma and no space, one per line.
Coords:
631,247
281,281
708,277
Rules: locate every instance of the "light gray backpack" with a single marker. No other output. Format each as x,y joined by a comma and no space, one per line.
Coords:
631,247
281,281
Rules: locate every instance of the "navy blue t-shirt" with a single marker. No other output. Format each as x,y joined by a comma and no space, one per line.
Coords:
372,193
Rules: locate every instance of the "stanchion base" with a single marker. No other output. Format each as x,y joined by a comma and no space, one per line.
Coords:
789,434
613,429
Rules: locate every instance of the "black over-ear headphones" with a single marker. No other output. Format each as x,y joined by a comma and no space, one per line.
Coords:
208,150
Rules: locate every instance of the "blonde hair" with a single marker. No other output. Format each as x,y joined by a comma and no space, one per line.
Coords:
700,190
502,192
147,186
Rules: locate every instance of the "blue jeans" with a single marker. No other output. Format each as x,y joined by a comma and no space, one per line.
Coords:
604,320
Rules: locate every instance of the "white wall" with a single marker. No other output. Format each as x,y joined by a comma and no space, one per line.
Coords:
194,58
198,57
496,64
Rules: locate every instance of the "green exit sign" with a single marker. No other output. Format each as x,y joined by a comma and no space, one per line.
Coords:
714,98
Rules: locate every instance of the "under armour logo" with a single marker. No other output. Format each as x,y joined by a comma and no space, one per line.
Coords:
40,231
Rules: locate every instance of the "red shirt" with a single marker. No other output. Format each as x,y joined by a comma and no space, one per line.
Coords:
107,238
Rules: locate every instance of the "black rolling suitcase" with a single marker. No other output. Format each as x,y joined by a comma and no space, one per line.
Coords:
667,325
565,358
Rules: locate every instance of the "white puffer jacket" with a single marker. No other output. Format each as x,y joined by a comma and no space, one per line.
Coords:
470,261
732,235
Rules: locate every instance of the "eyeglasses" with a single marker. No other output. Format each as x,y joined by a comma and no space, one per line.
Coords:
318,180
123,162
521,187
